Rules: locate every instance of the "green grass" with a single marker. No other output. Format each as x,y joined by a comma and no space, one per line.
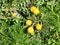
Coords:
13,32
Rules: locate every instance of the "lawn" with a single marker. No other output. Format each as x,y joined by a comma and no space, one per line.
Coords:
14,30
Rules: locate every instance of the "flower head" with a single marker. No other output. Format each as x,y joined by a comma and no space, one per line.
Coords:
34,10
30,30
13,14
38,26
28,22
6,9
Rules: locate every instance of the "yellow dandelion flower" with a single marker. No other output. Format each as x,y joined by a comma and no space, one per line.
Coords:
6,9
30,30
28,22
34,10
38,26
13,14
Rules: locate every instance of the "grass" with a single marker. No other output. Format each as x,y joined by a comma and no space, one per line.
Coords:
12,30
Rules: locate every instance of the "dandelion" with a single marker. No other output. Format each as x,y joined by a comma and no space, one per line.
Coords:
13,14
28,22
30,30
6,9
34,10
38,26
